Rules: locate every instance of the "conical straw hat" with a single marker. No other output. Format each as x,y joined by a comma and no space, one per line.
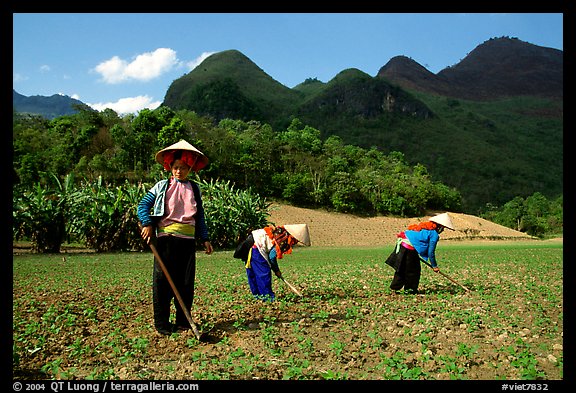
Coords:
443,219
183,145
300,232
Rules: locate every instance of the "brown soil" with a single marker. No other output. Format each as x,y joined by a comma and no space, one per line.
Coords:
344,230
347,326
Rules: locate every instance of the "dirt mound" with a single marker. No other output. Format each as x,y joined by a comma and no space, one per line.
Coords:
337,229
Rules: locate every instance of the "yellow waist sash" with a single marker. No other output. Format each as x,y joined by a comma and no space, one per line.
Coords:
179,229
248,265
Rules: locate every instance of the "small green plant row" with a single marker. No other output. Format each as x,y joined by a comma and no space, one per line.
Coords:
103,216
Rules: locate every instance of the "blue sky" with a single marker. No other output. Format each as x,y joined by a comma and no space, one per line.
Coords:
127,61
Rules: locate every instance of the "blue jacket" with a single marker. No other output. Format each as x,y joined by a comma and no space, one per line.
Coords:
151,207
424,241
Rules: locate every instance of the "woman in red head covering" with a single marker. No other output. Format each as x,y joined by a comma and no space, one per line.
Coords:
261,252
171,214
417,242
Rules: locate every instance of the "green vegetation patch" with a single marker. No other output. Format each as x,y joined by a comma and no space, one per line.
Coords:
89,316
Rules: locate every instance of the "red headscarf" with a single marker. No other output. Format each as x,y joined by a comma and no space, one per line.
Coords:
188,157
283,241
423,225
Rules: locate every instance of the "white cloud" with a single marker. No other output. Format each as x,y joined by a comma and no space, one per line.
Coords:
44,68
143,67
194,63
75,96
16,77
112,70
128,105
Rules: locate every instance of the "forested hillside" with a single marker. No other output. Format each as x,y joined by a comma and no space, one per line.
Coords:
293,164
490,127
498,141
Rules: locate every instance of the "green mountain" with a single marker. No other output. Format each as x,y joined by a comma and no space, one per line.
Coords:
229,85
47,107
482,126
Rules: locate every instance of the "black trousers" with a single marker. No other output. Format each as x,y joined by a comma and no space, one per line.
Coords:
408,271
179,257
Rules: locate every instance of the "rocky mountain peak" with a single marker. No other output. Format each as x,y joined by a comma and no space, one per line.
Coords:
499,67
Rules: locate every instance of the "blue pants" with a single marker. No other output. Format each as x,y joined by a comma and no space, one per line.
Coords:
259,276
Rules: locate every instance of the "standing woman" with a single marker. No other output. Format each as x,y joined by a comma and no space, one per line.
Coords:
172,215
419,241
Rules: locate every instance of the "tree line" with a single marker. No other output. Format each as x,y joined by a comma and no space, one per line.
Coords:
293,164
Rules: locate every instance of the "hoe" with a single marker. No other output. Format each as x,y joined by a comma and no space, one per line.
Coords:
180,300
454,281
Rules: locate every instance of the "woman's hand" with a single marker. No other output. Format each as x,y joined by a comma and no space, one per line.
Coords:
146,233
209,248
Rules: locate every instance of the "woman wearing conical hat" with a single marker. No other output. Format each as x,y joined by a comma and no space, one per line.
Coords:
418,241
172,214
261,252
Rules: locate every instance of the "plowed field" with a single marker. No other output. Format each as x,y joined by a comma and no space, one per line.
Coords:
89,316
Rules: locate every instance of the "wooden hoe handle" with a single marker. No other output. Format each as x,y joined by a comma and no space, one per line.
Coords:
178,297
